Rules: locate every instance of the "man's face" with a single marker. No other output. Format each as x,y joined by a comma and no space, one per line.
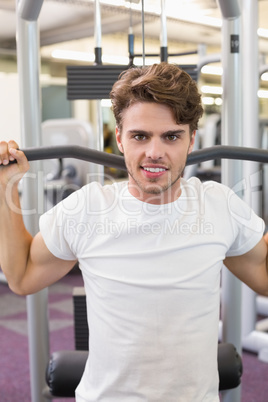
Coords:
155,148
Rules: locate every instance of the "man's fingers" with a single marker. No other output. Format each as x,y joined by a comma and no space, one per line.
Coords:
12,145
19,156
15,153
9,153
5,155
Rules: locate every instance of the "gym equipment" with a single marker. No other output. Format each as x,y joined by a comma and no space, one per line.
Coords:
98,61
65,369
95,82
231,172
102,158
28,67
63,176
29,10
252,340
28,60
63,364
92,82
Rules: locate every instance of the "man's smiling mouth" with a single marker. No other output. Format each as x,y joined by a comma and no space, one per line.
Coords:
154,170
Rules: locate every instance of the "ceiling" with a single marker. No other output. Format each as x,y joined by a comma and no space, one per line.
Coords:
72,21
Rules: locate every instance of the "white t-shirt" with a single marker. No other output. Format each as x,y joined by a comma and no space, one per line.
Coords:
152,279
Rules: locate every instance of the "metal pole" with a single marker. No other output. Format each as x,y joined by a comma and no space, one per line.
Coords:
28,70
252,340
231,170
251,135
130,37
163,34
98,61
97,33
143,32
29,10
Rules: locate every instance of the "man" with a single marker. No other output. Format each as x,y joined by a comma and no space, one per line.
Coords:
150,250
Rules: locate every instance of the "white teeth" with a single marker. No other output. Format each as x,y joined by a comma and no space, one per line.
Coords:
154,170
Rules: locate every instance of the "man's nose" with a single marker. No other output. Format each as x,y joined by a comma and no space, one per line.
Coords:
155,149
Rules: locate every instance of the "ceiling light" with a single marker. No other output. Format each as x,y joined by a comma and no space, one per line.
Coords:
218,101
264,77
72,55
262,93
123,60
210,89
212,70
208,100
262,32
87,56
106,103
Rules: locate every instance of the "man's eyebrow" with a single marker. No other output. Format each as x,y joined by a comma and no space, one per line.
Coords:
144,132
139,132
172,132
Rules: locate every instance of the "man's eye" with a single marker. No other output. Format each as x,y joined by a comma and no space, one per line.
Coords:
171,137
139,137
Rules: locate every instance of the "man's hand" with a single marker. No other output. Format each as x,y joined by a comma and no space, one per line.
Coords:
11,172
26,261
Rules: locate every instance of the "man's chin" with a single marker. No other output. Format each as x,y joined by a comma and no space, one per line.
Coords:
154,190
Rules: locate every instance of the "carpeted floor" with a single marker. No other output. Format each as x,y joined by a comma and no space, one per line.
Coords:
14,366
14,361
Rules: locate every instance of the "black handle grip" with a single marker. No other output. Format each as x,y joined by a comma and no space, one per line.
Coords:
77,152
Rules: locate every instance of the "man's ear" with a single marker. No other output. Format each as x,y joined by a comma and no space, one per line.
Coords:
118,140
192,141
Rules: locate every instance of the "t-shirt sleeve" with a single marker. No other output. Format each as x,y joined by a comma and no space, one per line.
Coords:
54,226
247,226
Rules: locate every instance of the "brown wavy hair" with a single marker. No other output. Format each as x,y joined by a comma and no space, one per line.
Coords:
161,83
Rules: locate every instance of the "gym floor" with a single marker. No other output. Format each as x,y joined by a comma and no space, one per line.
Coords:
14,366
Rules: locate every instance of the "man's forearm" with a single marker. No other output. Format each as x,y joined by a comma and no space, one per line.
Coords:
15,240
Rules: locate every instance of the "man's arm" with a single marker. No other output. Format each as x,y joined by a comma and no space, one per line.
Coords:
26,261
252,267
